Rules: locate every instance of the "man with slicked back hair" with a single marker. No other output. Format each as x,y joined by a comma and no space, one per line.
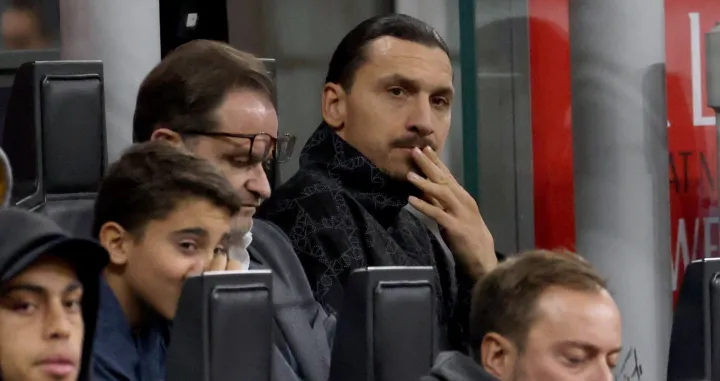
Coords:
386,115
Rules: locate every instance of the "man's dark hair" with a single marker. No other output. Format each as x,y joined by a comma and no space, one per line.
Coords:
188,85
151,179
504,301
351,52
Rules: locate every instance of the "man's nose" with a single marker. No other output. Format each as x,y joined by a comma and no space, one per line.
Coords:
200,264
421,117
57,322
604,372
258,183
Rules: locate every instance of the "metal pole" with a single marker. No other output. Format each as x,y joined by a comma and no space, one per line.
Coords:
622,191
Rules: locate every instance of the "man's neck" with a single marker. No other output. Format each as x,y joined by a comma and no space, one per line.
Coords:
135,311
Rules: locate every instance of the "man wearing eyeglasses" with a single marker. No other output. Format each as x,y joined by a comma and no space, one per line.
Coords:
218,103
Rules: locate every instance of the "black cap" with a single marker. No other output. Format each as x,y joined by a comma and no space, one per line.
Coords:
25,236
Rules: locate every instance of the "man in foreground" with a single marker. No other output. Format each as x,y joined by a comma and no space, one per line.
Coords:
218,103
540,316
48,299
163,215
386,115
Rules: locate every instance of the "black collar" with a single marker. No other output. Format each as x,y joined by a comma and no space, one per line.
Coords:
382,196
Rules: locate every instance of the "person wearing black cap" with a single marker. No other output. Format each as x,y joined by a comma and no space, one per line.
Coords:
48,299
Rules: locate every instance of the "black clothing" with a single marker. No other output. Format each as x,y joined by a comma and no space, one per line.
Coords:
342,213
26,236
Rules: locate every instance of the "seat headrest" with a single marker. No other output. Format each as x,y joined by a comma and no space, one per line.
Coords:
54,130
223,328
374,340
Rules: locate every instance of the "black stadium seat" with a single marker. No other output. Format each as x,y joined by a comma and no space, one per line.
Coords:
223,328
55,137
387,329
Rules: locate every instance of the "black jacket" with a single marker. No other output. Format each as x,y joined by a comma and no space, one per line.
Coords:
342,213
25,236
304,331
454,366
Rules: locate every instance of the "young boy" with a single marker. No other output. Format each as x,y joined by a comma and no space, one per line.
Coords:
163,215
48,299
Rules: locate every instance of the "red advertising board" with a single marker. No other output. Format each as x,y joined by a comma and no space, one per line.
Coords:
693,179
691,134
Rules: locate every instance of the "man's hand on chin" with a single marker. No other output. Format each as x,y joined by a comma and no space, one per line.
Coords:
455,211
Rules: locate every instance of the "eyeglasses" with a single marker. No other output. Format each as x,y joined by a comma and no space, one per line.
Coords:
262,145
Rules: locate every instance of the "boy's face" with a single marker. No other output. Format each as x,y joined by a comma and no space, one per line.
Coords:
172,249
41,323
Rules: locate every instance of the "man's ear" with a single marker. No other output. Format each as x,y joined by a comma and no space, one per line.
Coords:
498,355
333,105
116,240
167,135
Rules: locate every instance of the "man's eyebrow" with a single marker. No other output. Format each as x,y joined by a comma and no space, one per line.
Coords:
399,79
37,289
242,151
235,143
586,346
32,288
577,344
73,287
414,85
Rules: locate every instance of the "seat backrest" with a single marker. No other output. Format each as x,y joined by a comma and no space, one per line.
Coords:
55,137
387,326
223,328
695,340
